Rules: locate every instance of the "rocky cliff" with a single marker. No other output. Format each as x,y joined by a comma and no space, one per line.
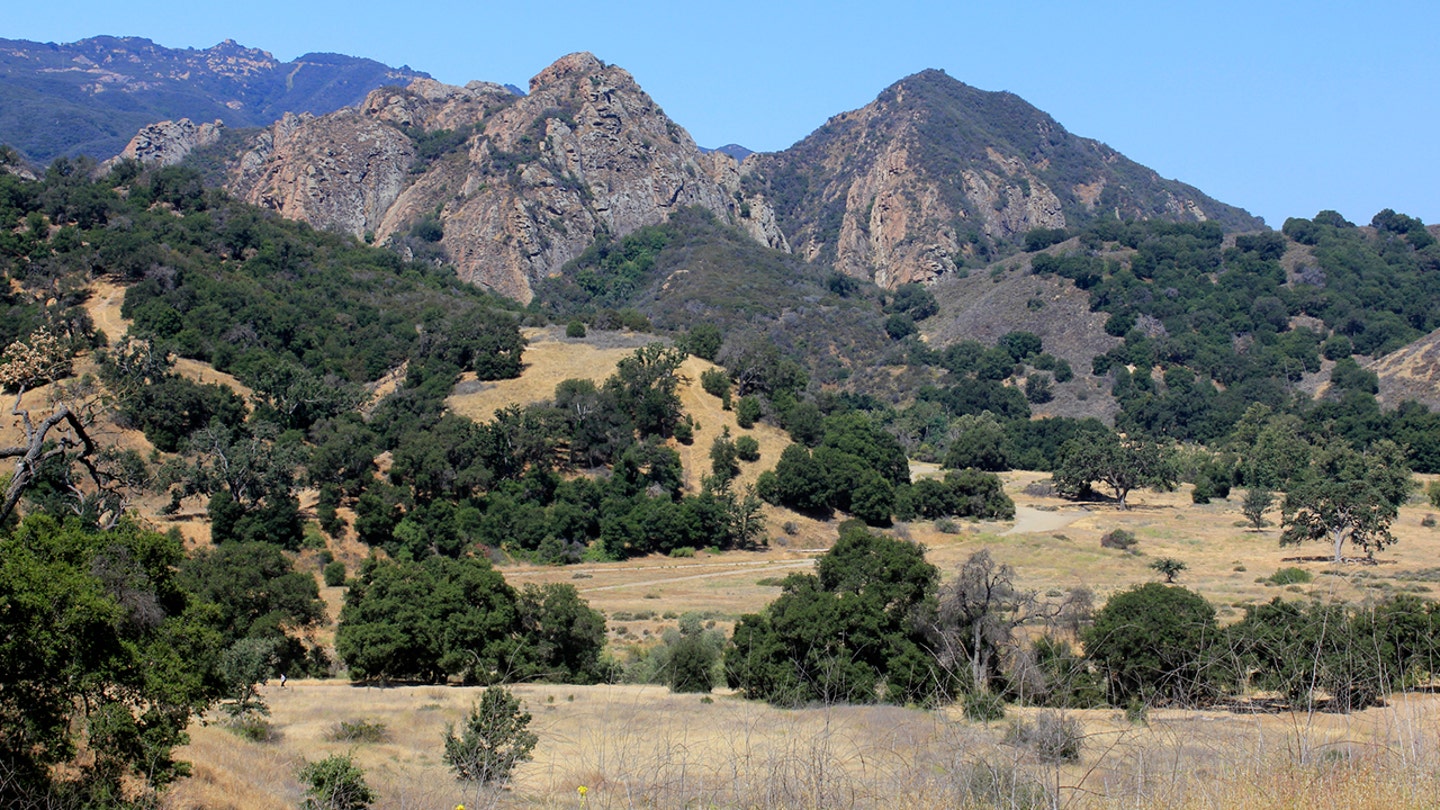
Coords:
934,173
509,188
169,142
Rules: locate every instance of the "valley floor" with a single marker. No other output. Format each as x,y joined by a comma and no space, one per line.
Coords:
637,746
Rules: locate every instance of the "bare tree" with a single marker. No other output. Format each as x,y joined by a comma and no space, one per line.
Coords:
60,441
977,616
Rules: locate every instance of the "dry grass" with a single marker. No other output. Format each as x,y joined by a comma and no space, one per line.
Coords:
643,747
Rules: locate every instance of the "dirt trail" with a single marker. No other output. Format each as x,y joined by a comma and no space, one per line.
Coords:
712,575
1035,521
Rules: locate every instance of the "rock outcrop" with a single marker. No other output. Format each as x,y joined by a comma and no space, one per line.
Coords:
168,142
933,173
518,185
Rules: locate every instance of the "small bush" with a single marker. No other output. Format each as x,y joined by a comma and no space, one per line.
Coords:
946,525
1428,521
494,739
685,430
983,707
253,727
715,382
334,574
1051,737
682,551
335,783
1137,712
747,412
575,329
747,448
1119,539
359,731
1290,576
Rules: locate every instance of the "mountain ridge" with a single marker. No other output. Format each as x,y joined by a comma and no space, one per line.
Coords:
935,173
90,96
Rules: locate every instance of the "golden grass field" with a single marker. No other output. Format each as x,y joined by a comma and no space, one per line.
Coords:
634,746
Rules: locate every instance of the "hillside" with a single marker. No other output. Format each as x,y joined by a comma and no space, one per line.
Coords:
90,97
934,174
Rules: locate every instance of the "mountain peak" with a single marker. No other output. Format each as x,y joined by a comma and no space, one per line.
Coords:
579,63
935,174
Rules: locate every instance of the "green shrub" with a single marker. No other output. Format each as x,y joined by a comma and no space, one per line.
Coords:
983,706
359,731
1154,640
334,574
252,727
495,738
335,783
683,551
715,382
747,448
1119,539
575,329
1290,576
747,412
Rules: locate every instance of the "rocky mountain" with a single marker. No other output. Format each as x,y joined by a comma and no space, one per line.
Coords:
90,97
934,172
507,188
932,176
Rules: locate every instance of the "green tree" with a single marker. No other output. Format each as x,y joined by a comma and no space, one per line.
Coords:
428,620
747,412
1152,643
704,341
1347,495
1120,463
978,443
494,739
849,633
98,643
256,593
1257,502
693,654
243,667
563,635
1168,567
336,783
485,341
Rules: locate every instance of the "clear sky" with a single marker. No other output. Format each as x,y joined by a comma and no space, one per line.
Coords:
1282,108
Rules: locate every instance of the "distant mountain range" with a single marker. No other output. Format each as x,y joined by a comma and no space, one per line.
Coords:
509,186
90,97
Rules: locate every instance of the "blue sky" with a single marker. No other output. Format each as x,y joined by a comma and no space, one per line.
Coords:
1281,108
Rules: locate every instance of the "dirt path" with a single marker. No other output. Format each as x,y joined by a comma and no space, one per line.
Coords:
104,308
1034,521
785,566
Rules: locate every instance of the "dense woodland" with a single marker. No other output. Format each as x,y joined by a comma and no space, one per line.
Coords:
115,638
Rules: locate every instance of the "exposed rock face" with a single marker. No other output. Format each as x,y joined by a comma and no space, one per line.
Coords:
168,142
526,185
934,172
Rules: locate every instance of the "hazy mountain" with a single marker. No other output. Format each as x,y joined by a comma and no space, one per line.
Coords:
90,97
